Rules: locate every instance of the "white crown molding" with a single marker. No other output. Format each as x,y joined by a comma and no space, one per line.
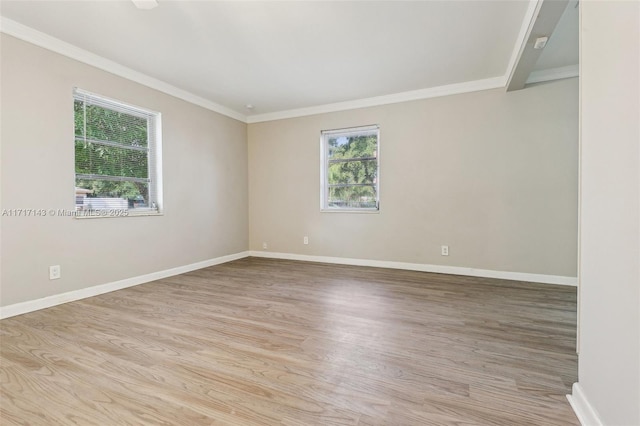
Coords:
58,299
48,42
414,95
586,414
559,73
422,267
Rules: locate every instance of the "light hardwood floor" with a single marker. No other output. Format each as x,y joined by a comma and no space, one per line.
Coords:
273,342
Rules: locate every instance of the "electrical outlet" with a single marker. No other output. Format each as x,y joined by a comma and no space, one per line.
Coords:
305,240
54,272
264,246
444,250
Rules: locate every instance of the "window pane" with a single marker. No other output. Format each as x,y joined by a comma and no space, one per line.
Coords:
107,125
352,146
110,194
116,151
349,172
350,168
97,159
78,118
352,197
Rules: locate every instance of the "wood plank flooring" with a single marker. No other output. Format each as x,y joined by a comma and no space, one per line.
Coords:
274,342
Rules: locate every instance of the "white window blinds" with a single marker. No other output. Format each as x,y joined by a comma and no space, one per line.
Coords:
117,155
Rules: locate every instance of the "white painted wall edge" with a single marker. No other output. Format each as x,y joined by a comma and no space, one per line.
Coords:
585,412
528,22
58,299
422,267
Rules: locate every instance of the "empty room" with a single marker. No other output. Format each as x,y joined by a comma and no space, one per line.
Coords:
319,212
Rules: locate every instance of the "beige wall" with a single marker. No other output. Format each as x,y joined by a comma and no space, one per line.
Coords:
491,174
205,182
609,331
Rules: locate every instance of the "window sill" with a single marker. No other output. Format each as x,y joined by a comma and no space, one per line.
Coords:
114,214
361,211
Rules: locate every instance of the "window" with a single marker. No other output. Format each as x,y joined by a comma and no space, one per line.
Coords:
350,169
117,156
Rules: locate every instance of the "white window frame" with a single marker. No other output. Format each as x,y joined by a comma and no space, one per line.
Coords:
324,167
154,145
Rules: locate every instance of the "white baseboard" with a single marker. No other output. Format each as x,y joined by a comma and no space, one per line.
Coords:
585,412
58,299
440,269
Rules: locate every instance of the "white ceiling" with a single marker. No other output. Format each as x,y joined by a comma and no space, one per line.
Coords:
283,56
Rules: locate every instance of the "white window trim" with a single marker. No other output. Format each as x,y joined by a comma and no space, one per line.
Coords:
324,155
154,118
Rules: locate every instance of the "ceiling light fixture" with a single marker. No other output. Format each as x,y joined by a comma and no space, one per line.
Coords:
249,107
145,4
540,43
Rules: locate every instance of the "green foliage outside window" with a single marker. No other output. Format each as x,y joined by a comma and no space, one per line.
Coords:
113,145
352,171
